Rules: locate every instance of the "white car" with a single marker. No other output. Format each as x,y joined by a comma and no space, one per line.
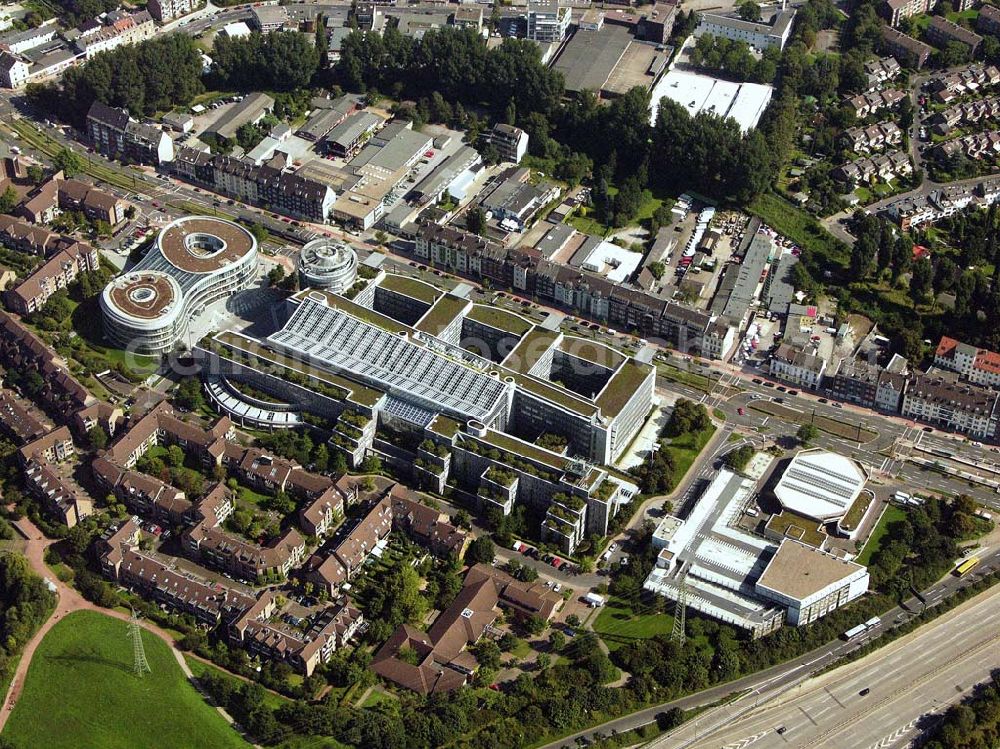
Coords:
557,587
613,548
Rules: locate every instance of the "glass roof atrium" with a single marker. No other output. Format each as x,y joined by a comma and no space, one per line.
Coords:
332,339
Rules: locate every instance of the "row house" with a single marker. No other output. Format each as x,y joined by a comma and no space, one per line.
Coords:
946,403
19,419
913,52
586,294
794,365
244,559
866,384
21,236
328,569
162,426
872,138
96,204
425,525
942,203
878,168
869,103
266,184
143,495
975,146
947,86
57,273
969,111
120,29
319,517
23,351
257,631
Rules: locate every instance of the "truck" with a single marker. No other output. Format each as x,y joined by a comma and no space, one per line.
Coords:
593,600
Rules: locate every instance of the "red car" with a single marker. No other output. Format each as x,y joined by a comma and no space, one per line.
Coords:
740,411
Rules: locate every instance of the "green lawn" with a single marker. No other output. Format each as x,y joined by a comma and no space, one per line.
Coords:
80,692
891,515
686,448
618,624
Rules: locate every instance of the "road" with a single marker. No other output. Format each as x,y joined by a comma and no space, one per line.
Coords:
955,654
769,684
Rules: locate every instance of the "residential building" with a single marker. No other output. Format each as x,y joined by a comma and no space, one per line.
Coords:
989,19
96,204
57,273
796,366
944,402
118,31
758,35
978,366
872,138
114,134
268,18
14,71
895,11
882,70
912,52
427,526
866,384
547,21
166,10
244,559
941,31
16,42
872,102
511,142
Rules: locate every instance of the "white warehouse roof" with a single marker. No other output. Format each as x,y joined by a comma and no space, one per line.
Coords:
820,484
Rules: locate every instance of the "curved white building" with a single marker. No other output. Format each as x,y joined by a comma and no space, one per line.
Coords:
196,260
328,264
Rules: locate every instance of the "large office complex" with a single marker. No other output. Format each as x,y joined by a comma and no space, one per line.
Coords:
474,386
195,261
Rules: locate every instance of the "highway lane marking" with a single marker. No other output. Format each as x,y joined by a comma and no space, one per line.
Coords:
964,655
744,743
892,738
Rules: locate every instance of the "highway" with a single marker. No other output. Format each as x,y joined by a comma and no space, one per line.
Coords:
743,722
921,673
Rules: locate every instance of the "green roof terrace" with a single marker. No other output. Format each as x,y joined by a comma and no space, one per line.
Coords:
531,348
500,319
622,386
410,287
438,317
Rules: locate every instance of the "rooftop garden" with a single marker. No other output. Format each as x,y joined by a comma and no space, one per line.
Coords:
444,426
435,448
410,287
500,319
856,511
792,525
446,309
500,476
623,385
569,501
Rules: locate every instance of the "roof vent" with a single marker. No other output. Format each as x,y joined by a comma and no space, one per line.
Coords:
466,613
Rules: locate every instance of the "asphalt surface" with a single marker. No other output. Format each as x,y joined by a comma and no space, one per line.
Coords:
835,710
774,682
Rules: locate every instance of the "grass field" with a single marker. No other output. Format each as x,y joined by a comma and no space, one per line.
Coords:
618,624
794,223
80,692
891,515
686,448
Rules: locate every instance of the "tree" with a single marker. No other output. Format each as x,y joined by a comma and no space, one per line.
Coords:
807,433
475,220
276,275
69,162
737,459
36,174
480,550
97,437
9,200
189,395
750,11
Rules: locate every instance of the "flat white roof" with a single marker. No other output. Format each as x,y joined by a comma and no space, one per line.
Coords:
820,484
613,262
744,102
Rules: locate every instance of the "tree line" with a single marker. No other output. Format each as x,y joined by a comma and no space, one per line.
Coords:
143,78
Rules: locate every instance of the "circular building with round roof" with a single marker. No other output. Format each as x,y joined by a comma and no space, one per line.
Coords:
820,484
195,261
328,264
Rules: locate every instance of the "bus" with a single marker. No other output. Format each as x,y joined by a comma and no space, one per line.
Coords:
873,622
854,632
966,566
